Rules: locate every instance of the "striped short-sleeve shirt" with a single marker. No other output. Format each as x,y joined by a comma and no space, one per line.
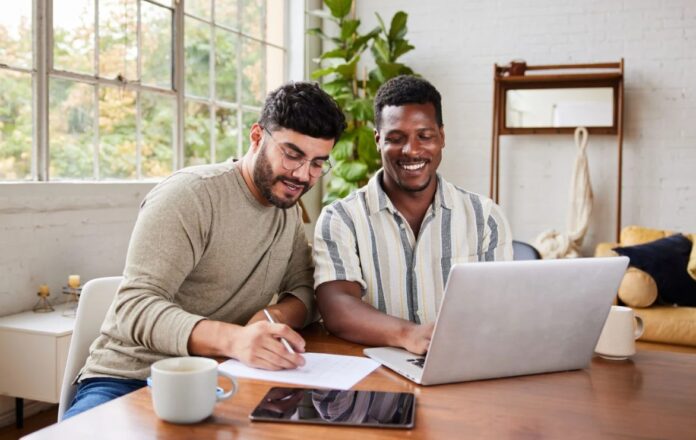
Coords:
363,238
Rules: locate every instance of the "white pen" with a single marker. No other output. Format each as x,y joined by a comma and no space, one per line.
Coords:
272,321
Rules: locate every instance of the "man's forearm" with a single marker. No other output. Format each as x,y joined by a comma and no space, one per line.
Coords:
212,338
290,311
350,318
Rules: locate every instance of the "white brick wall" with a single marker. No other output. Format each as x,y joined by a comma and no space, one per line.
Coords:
48,231
457,42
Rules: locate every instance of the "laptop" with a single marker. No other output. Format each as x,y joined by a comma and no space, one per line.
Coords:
512,318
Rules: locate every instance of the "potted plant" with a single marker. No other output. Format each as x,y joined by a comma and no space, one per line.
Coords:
355,157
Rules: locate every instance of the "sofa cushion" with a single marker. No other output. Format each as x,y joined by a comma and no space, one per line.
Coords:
668,324
637,288
633,235
666,261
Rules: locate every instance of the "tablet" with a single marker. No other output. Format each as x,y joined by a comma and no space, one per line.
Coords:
336,407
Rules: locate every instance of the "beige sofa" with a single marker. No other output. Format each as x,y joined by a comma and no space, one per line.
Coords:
663,323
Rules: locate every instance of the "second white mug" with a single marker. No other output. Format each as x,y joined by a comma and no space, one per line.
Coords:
621,329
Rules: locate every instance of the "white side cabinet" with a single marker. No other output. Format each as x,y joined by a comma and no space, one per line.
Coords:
33,354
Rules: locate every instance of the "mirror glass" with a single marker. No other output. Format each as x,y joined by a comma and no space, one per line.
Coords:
572,107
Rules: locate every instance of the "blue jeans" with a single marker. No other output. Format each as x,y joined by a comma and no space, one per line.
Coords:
95,391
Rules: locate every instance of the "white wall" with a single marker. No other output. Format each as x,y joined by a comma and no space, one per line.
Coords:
457,43
51,230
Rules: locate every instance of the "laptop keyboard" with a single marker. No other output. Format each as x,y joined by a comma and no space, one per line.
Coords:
418,362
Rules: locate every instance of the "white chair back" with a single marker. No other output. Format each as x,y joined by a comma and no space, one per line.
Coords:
95,299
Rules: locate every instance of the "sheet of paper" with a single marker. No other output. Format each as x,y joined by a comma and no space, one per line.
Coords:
320,370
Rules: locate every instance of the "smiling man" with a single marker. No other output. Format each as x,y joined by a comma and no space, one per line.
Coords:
211,247
383,254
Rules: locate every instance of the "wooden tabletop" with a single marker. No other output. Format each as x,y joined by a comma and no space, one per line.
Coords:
653,395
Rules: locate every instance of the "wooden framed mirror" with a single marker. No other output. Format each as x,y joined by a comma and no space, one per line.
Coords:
556,99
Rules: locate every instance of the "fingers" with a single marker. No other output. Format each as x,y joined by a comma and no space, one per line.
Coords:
290,335
274,356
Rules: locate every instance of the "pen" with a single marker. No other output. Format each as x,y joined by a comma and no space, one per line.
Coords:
284,342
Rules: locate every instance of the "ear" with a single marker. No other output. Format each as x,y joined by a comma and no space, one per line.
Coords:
255,136
377,138
442,134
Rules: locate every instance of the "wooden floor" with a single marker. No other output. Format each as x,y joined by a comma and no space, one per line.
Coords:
31,424
48,417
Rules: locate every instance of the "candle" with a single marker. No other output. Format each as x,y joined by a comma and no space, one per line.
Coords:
43,289
74,281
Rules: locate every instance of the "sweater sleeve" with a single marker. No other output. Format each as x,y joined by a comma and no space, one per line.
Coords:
168,241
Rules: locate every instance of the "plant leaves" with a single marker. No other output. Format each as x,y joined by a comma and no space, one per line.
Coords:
323,72
336,53
380,50
343,150
322,14
398,29
381,23
339,8
337,87
348,28
399,48
351,170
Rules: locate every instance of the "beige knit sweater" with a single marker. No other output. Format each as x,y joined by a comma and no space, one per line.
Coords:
202,247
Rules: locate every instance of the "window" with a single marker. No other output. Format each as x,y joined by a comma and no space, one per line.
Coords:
110,107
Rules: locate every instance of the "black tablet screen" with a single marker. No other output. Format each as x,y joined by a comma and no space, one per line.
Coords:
336,407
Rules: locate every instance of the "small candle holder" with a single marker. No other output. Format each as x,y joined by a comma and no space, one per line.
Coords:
42,305
73,298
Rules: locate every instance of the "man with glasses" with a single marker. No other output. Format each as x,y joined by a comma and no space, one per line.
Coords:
383,254
211,247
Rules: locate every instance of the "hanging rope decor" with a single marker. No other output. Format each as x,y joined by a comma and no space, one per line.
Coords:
553,244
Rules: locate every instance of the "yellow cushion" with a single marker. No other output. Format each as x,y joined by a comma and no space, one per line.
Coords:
605,250
691,266
668,324
633,235
638,288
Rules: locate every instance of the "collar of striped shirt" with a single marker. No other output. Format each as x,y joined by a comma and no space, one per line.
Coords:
377,198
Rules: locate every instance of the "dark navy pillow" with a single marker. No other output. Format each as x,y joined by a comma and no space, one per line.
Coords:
666,260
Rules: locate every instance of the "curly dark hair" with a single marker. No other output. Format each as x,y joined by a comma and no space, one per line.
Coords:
305,108
407,89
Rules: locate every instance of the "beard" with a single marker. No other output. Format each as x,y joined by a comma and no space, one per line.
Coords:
264,179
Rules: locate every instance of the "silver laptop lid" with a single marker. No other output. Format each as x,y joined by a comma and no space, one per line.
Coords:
502,319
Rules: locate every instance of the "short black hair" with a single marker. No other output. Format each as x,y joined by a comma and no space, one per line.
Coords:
407,89
305,108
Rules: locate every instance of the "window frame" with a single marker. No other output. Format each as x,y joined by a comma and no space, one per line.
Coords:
43,70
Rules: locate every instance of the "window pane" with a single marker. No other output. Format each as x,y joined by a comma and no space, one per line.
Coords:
71,129
118,44
253,87
156,45
226,13
117,148
252,17
197,134
226,132
200,8
248,119
275,22
73,35
15,34
275,67
15,125
157,124
225,65
197,58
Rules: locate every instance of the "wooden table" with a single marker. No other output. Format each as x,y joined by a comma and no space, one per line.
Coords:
651,396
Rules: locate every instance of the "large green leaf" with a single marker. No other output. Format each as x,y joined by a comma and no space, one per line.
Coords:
336,53
317,32
323,72
339,8
397,30
380,50
351,170
337,87
348,28
343,150
399,48
361,109
381,23
347,70
322,14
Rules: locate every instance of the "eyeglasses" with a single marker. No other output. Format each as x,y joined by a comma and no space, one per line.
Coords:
293,161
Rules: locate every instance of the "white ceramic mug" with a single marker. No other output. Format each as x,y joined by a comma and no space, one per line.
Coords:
184,389
618,337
